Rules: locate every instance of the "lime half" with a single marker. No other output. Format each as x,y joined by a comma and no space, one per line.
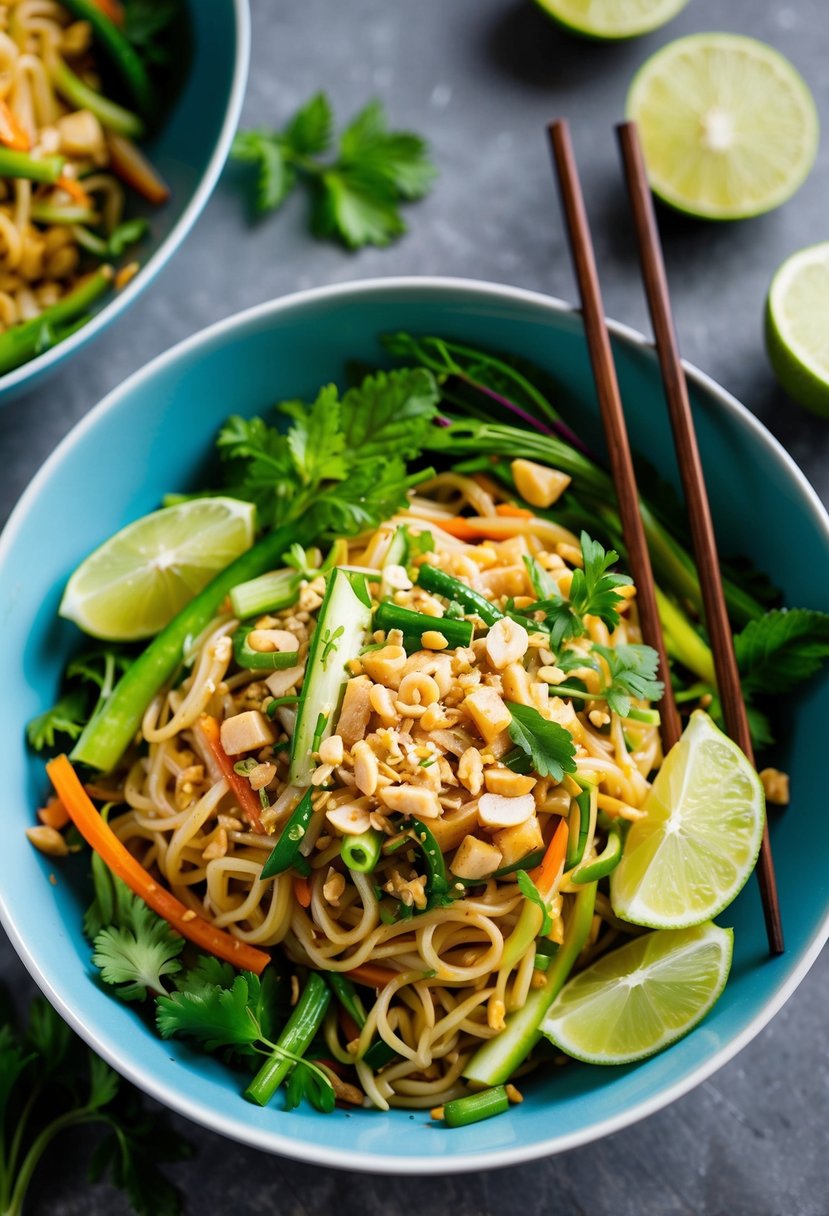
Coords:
636,1000
797,327
136,582
609,19
693,851
729,128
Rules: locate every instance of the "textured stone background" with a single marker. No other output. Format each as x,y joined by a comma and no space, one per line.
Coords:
480,78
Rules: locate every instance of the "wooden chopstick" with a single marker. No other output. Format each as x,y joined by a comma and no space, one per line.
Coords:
693,484
613,420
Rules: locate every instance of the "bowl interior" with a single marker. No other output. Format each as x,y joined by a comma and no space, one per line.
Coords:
188,150
153,435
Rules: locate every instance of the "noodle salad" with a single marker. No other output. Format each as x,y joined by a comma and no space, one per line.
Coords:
68,159
382,810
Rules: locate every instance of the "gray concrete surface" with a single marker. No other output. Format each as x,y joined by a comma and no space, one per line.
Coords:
480,78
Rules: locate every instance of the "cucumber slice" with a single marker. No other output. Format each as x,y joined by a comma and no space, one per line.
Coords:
343,621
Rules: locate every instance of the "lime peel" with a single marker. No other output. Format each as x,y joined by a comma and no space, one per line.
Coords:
796,332
612,19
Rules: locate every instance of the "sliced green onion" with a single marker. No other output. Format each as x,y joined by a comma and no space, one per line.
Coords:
37,169
649,716
108,113
361,853
605,863
440,583
46,213
31,338
260,660
413,625
296,1038
460,1112
579,822
120,51
275,704
378,1054
268,593
286,852
437,880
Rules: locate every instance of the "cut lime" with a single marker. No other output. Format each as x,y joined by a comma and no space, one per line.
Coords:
137,581
729,128
797,332
636,1000
607,19
694,849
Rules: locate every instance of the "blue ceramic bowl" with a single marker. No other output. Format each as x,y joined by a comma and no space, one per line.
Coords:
189,152
153,435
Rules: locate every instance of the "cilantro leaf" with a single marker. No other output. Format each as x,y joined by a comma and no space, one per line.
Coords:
397,157
356,207
593,592
549,745
307,1080
632,675
531,892
275,177
134,959
544,586
215,1016
316,440
93,669
130,1154
779,650
207,972
310,131
389,414
67,716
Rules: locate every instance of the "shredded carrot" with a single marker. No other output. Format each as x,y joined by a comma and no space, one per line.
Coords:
484,527
100,836
509,509
11,132
371,975
75,190
132,166
458,527
302,891
247,798
54,814
548,873
350,1028
112,9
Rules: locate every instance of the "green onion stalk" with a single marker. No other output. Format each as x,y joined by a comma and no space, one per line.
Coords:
22,342
296,1038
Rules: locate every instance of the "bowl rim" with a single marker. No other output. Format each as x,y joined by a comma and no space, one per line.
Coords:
18,376
275,1141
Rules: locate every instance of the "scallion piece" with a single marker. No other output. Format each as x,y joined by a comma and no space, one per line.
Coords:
579,822
296,1038
361,853
23,342
71,213
286,851
260,660
267,593
605,863
440,583
460,1112
413,625
648,716
121,52
379,1054
37,169
109,114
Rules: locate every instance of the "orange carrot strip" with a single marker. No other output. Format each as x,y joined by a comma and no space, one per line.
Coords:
247,798
302,891
75,190
112,9
133,168
548,873
508,508
11,132
349,1027
483,527
54,814
100,836
458,527
371,975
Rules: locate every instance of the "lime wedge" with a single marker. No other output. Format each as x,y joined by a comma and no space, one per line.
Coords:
607,19
797,335
137,581
636,1000
729,129
694,849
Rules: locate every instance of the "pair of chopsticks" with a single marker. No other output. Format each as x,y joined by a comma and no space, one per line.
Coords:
690,466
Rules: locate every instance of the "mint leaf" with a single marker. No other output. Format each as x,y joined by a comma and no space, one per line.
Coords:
311,129
549,746
633,671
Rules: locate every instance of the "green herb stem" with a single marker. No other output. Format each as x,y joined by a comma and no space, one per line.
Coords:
23,342
296,1038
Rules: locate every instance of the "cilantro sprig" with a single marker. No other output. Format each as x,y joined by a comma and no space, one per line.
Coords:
89,679
632,672
357,181
547,744
593,592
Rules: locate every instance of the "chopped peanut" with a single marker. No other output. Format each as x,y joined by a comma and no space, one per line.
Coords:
332,750
246,732
349,820
471,769
270,641
495,1012
385,666
475,859
515,843
776,786
261,776
515,1096
538,485
382,702
366,770
506,643
552,675
48,840
509,784
488,711
433,639
599,718
217,846
496,811
411,800
281,682
334,886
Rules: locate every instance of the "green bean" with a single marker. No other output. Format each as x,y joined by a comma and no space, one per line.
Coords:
20,164
23,342
296,1038
121,52
414,624
361,853
109,113
286,852
440,583
110,731
460,1112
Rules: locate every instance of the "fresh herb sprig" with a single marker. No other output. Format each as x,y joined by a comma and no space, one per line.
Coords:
593,591
548,745
90,678
632,670
356,193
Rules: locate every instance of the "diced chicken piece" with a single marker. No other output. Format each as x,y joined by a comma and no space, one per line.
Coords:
538,485
349,820
475,859
517,684
505,580
488,711
385,666
507,783
80,134
506,643
496,811
356,711
281,682
411,800
450,830
515,843
246,732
